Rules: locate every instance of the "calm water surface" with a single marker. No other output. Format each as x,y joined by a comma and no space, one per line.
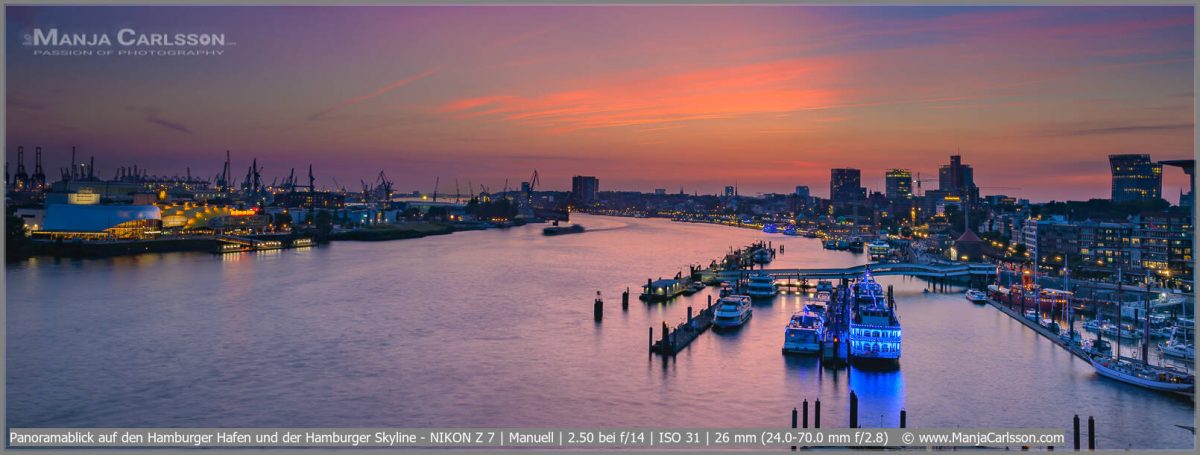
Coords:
494,328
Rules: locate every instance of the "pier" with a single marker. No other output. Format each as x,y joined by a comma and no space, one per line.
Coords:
674,340
1053,337
879,269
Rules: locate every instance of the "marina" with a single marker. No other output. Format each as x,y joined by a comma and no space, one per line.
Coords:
314,341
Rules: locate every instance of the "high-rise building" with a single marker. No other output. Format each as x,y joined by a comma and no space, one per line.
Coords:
802,191
899,184
730,191
660,191
958,179
585,189
845,186
1135,177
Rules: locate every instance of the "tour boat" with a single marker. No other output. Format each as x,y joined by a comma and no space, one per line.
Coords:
878,249
770,228
816,307
1178,350
976,296
761,285
732,311
824,286
874,326
804,333
1139,374
829,244
790,230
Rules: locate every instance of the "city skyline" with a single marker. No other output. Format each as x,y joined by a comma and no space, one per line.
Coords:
767,97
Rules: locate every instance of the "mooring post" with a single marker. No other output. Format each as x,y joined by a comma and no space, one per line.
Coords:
1091,433
817,413
853,409
598,307
689,319
625,300
710,301
903,418
1076,432
666,332
805,414
793,425
651,339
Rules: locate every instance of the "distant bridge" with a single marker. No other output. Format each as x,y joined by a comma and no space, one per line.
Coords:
878,269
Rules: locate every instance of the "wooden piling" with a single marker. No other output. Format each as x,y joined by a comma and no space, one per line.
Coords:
903,418
817,413
625,300
1091,433
598,308
853,409
805,421
794,424
1076,432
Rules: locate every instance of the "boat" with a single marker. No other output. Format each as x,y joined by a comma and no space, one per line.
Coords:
824,286
1051,325
977,296
878,249
790,230
732,311
804,333
1031,315
856,246
874,335
841,244
1140,374
761,285
770,228
816,307
763,256
1178,350
559,230
1096,347
694,287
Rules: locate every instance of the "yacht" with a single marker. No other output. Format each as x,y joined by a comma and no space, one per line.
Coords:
761,285
1178,350
1141,374
977,296
874,326
804,333
732,311
816,307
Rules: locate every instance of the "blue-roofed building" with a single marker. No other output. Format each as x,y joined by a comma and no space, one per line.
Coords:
100,222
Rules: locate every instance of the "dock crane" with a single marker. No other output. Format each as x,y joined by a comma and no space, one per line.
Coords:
436,182
533,182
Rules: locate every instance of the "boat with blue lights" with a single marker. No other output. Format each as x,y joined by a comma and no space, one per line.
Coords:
874,334
770,228
790,230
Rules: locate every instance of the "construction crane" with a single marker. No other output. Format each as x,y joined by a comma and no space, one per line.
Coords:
918,180
533,182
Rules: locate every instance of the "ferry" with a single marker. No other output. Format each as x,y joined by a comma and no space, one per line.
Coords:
875,334
732,311
878,249
558,230
761,285
1140,374
804,333
976,296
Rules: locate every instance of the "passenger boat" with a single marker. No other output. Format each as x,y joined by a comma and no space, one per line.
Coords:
977,296
878,249
1140,374
559,230
874,335
804,333
1178,350
770,228
824,286
761,285
841,244
732,311
816,307
790,230
856,246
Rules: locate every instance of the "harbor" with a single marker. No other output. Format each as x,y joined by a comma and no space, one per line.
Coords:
363,326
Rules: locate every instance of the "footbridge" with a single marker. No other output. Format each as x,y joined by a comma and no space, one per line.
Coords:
877,269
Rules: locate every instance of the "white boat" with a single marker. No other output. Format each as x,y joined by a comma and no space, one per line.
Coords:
804,333
761,285
732,311
824,286
878,249
1150,377
976,296
874,326
817,307
1178,350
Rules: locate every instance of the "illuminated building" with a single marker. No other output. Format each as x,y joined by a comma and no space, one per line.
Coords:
958,179
898,184
1135,178
845,186
100,222
585,189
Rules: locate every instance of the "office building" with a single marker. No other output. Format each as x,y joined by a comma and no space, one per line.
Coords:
1135,178
898,184
585,189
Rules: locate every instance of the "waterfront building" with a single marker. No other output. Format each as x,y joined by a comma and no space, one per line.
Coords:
1165,244
958,179
1105,246
585,189
898,184
311,200
802,191
1187,199
845,186
1048,239
100,222
1135,177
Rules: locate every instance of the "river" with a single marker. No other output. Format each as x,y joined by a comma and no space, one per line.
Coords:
494,329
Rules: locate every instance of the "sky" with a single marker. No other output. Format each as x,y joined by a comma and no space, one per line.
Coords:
643,97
